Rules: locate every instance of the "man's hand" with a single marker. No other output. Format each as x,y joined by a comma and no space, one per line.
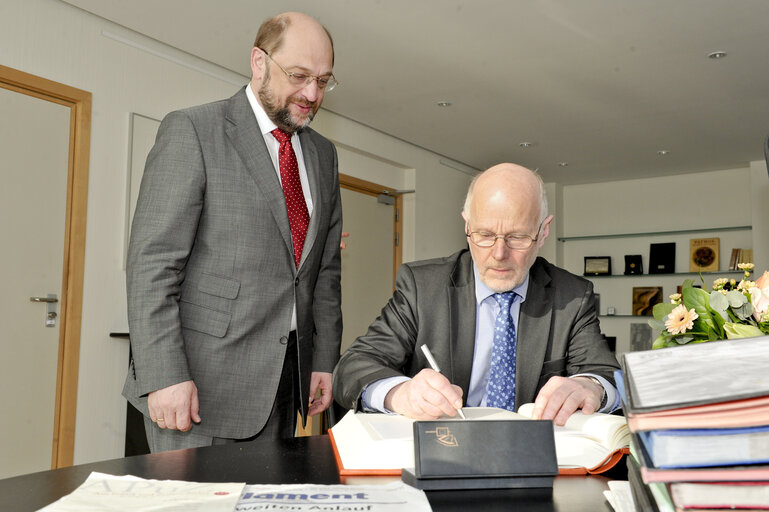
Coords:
319,381
561,396
173,407
428,396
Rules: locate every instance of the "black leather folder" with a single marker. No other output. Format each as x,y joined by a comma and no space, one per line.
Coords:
492,454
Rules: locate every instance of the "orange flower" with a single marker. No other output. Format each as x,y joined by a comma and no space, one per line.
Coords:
680,320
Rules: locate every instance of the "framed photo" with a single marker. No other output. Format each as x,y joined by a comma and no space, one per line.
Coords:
703,254
633,264
597,265
662,258
644,299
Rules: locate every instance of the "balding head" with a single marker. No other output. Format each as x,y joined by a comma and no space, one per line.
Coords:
271,33
506,200
509,181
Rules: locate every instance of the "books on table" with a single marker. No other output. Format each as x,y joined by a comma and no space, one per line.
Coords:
373,443
699,417
727,495
695,374
706,447
731,414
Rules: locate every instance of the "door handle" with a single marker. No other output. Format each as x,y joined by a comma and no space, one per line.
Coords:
50,301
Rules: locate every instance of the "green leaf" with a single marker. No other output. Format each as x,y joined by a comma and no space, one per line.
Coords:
719,303
657,325
734,331
736,299
698,299
660,342
744,312
661,310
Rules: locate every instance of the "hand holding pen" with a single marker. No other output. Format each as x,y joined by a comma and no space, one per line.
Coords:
434,366
428,395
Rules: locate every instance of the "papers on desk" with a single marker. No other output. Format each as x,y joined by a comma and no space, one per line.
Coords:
392,497
102,492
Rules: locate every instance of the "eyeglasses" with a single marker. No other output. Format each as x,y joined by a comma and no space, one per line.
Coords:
518,242
326,83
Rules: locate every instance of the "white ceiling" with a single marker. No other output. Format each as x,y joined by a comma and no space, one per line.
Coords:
600,84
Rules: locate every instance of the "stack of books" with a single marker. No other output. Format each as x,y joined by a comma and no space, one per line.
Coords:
740,256
699,421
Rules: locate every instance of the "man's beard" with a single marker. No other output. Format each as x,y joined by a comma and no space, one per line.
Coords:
281,115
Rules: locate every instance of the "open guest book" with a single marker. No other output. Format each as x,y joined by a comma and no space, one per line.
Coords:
383,444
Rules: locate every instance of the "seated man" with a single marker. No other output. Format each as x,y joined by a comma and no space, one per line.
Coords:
504,326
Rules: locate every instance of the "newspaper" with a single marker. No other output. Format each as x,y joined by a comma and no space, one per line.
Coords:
392,497
102,492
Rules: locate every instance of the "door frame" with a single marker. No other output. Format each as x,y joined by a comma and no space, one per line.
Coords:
70,315
374,189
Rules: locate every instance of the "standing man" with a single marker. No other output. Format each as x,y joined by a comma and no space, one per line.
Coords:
233,273
504,326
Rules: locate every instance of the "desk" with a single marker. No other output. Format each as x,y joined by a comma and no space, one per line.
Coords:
298,460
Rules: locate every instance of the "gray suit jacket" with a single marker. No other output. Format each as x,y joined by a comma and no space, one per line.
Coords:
434,304
211,278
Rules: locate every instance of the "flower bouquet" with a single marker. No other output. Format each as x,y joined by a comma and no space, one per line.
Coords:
732,310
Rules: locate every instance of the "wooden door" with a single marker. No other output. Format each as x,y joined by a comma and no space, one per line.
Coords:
44,132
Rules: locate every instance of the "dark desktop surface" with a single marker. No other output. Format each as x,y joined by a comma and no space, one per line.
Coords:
292,461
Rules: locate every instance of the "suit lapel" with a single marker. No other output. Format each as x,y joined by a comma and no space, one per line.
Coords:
312,164
461,291
245,135
533,320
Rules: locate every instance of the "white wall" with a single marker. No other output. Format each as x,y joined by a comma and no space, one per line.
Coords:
59,42
701,201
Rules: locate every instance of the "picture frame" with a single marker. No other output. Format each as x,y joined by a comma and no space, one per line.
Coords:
633,264
644,299
662,258
704,254
597,266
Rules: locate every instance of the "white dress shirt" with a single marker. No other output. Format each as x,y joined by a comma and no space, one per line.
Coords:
486,309
266,125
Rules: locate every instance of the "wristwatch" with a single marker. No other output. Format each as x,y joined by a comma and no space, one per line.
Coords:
603,399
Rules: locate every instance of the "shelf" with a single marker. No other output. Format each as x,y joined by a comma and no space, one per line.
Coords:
720,272
654,233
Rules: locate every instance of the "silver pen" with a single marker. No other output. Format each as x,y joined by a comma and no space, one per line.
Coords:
434,366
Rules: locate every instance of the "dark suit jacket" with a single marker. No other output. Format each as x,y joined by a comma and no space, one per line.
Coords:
211,277
434,304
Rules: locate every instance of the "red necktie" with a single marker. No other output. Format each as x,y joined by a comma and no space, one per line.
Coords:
296,206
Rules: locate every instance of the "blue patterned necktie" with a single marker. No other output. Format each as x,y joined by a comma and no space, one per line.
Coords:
500,391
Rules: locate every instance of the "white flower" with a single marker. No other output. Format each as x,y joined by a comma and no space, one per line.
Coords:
680,320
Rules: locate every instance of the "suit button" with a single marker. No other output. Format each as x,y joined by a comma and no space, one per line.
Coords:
283,340
296,282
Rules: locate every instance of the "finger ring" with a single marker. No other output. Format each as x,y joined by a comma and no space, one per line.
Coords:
159,420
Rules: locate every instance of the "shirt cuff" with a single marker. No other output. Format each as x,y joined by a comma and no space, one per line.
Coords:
374,394
612,396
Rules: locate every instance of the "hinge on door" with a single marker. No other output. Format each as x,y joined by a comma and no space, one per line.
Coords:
397,215
397,240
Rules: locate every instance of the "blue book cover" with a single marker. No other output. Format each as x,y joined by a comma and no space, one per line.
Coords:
706,447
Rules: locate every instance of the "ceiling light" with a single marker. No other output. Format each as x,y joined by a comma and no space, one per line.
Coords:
444,103
717,55
526,144
563,164
663,152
